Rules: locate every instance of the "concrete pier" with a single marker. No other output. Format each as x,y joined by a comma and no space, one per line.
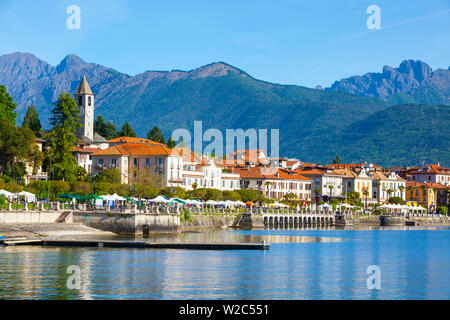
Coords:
138,244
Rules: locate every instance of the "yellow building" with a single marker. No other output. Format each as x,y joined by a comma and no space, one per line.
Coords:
425,194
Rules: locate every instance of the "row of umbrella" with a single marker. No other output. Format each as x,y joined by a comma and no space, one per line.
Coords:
401,207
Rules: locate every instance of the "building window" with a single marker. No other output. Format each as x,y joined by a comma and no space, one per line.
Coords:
113,162
89,101
100,161
135,162
80,100
147,162
160,162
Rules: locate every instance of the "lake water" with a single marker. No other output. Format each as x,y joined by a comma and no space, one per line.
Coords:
301,264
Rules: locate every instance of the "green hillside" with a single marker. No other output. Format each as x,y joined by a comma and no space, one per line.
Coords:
398,135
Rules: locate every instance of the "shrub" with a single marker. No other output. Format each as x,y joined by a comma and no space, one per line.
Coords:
396,200
443,210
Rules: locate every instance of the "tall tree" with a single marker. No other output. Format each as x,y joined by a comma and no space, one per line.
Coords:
32,121
156,135
127,131
337,160
171,143
7,106
62,138
17,149
106,129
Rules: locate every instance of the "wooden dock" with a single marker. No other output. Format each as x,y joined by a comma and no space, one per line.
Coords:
138,244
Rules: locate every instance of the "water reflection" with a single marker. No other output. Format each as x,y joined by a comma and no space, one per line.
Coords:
301,264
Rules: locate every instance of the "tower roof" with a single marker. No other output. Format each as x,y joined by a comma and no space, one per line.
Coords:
83,87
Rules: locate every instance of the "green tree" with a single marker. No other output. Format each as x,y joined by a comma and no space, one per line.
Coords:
80,187
199,194
62,138
396,200
37,187
106,129
173,192
17,148
352,197
127,131
443,210
111,175
7,106
156,135
213,194
337,160
58,187
171,143
32,121
251,195
290,196
231,195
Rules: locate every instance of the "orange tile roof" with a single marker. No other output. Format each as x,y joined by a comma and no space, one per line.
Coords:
431,168
425,184
135,140
135,149
316,172
268,173
349,165
85,149
188,155
248,156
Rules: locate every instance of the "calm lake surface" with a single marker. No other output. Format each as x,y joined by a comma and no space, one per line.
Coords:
301,264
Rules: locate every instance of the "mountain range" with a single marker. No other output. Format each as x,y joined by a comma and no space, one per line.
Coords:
346,119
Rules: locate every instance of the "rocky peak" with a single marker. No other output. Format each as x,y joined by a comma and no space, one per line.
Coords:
409,77
22,66
215,69
416,70
72,61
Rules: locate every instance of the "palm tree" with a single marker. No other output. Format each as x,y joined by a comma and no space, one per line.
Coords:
317,193
331,191
411,192
378,184
365,192
401,188
447,196
268,184
389,191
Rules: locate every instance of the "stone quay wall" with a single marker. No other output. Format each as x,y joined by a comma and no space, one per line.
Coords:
30,216
209,221
126,223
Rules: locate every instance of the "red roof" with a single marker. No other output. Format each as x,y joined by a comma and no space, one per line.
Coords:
135,140
425,184
85,149
430,169
135,149
316,171
349,165
268,173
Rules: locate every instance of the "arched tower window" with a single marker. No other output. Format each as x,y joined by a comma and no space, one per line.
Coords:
80,100
89,101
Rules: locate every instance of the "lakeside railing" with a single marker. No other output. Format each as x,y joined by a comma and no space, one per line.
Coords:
179,209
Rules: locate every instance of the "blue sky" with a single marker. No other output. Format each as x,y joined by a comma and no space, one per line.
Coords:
306,43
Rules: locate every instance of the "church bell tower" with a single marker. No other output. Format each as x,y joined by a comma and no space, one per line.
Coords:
85,101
